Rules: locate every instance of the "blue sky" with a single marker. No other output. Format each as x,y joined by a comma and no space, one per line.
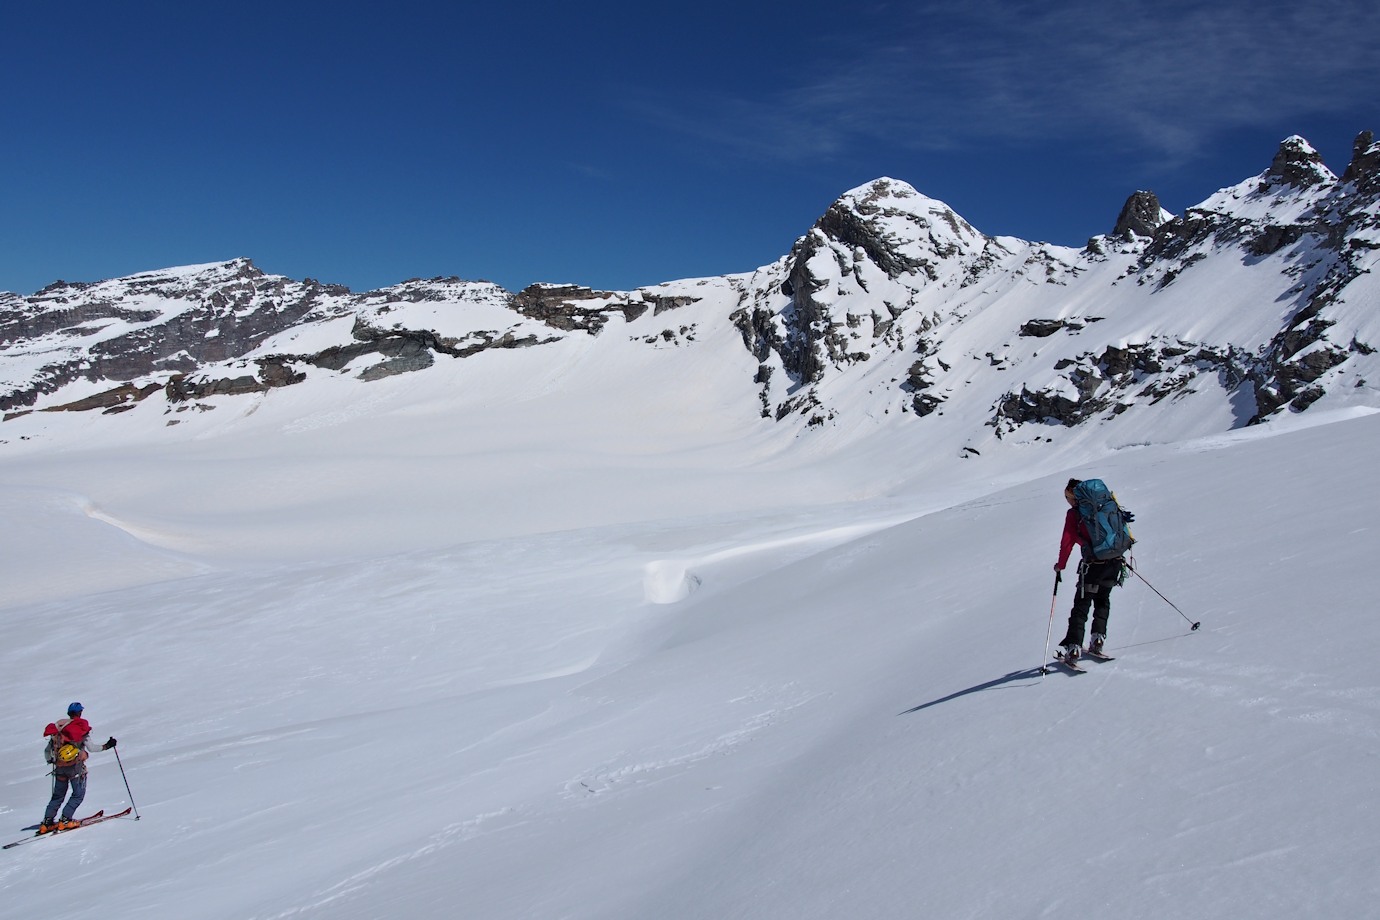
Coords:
617,145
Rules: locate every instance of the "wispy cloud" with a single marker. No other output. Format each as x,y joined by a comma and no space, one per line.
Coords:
1162,76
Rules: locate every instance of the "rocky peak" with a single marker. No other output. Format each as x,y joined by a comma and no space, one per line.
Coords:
1364,169
889,226
886,219
1140,216
1297,164
884,240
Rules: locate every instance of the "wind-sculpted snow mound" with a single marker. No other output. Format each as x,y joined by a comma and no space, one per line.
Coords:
668,581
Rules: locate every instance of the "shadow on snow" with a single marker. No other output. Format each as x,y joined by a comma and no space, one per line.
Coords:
1032,674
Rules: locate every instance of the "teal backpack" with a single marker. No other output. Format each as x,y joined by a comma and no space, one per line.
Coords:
1105,519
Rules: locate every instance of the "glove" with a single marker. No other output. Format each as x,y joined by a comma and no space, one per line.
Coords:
1058,567
109,743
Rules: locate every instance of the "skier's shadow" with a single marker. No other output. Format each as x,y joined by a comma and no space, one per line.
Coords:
1014,677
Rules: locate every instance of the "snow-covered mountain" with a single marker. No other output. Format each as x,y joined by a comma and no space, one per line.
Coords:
725,598
1259,300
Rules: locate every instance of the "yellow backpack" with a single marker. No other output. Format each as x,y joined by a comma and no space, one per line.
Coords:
66,754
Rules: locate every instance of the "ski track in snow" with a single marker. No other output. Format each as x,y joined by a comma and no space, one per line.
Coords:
624,771
449,836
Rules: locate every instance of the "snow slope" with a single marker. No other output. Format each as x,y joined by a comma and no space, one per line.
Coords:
431,655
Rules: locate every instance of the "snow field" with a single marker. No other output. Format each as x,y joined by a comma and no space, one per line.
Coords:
843,718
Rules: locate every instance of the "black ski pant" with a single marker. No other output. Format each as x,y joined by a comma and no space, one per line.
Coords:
1095,583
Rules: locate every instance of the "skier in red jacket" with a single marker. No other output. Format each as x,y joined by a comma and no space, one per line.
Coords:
73,731
1096,578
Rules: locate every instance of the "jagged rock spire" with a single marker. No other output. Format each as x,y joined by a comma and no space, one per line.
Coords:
1298,164
1140,216
1364,168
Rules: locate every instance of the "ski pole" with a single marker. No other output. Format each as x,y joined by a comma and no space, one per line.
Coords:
1165,599
126,779
1044,662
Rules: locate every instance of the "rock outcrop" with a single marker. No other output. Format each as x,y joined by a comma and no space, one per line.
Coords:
1141,216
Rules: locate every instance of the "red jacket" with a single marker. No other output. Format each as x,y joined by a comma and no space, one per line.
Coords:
77,730
1075,531
74,730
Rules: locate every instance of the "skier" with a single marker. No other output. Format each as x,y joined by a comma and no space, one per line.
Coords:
1096,578
74,731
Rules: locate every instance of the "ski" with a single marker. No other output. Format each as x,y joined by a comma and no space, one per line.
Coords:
1071,665
97,818
1099,656
34,827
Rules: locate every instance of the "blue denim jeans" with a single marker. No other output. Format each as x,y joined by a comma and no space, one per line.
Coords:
61,783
